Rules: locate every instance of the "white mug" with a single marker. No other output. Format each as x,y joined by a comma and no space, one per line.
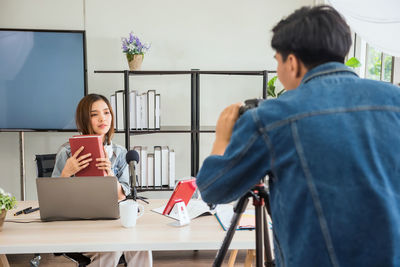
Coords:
129,212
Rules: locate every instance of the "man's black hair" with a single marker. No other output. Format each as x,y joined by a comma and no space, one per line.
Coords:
315,35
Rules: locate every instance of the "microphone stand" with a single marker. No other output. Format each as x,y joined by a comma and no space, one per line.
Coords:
133,195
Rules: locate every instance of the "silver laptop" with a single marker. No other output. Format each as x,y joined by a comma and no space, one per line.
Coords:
77,198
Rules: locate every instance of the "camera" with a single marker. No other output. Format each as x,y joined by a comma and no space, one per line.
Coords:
249,104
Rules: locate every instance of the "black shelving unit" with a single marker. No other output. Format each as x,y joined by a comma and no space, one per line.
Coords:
194,129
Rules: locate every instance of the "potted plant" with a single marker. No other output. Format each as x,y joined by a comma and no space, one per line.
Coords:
7,202
271,88
134,50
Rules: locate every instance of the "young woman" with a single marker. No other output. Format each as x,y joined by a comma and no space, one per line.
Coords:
94,115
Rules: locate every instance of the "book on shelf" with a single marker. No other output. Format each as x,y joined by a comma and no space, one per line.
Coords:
157,166
138,170
157,111
143,111
152,165
171,168
143,166
150,169
138,111
132,109
119,96
92,144
151,106
164,165
113,106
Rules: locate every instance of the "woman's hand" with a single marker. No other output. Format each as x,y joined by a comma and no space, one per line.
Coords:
75,163
105,164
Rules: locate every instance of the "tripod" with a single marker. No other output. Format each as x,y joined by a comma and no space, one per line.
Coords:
133,195
261,203
132,158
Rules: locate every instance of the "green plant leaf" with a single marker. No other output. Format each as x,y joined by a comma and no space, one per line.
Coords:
281,92
271,91
353,63
7,201
271,87
271,83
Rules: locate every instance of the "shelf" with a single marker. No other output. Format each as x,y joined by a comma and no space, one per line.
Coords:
147,72
153,188
172,129
239,72
164,129
177,72
207,129
194,129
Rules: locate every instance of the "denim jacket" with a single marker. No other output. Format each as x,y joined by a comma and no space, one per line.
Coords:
116,154
331,148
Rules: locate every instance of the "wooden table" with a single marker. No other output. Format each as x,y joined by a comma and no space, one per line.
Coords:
152,232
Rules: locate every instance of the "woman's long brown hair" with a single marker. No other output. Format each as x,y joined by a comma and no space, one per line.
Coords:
82,116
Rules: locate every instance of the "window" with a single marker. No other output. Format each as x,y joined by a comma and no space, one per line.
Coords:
379,66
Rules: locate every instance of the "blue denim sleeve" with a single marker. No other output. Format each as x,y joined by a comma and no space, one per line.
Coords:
245,162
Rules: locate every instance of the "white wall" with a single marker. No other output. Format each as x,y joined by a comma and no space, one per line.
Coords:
185,34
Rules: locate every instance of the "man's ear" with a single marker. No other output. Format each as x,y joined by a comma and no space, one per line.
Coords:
296,66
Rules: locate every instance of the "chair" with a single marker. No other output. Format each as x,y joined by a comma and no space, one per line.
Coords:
45,165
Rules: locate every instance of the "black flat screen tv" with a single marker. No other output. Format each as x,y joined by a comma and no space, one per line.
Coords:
42,78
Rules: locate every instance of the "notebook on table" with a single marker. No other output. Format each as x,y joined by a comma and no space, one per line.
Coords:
77,198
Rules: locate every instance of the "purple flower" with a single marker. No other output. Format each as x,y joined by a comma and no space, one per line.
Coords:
131,36
133,45
138,43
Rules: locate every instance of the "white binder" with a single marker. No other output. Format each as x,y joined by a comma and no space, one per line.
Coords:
164,165
151,107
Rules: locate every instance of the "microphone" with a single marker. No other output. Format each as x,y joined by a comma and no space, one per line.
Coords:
132,158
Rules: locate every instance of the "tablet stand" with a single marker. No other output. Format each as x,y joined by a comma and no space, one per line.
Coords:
261,203
183,215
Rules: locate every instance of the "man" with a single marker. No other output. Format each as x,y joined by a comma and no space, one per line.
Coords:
330,145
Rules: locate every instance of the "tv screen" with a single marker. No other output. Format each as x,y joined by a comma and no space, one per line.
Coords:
42,78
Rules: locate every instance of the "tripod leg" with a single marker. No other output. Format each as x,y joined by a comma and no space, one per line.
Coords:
239,208
259,235
267,244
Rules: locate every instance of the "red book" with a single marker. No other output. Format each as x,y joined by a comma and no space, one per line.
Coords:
92,144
